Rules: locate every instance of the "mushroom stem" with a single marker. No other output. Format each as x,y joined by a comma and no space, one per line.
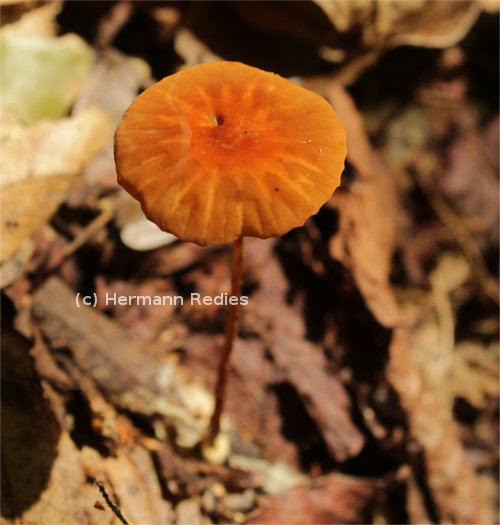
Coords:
231,328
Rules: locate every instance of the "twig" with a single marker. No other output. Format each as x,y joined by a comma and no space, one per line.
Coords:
101,220
116,511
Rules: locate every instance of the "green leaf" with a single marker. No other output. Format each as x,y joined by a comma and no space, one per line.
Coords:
41,77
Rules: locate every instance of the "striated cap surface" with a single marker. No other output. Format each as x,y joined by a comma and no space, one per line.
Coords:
224,149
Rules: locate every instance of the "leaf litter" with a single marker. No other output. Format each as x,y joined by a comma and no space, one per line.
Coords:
364,387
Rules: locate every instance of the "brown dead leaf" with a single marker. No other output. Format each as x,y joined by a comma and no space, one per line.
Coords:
68,497
323,395
298,361
368,216
133,478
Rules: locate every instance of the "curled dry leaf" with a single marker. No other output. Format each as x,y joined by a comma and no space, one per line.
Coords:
394,23
365,240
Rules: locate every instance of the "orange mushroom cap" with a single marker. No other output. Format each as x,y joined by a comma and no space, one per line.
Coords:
223,150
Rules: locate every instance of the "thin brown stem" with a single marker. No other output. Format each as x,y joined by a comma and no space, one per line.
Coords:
231,328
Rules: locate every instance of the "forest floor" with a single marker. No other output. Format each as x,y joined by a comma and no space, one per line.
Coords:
364,385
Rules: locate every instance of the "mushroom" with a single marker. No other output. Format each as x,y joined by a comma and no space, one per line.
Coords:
222,151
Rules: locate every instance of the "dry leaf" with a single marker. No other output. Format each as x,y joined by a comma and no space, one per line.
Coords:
299,361
113,83
68,496
135,483
368,215
394,22
51,148
36,22
475,373
39,164
26,207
